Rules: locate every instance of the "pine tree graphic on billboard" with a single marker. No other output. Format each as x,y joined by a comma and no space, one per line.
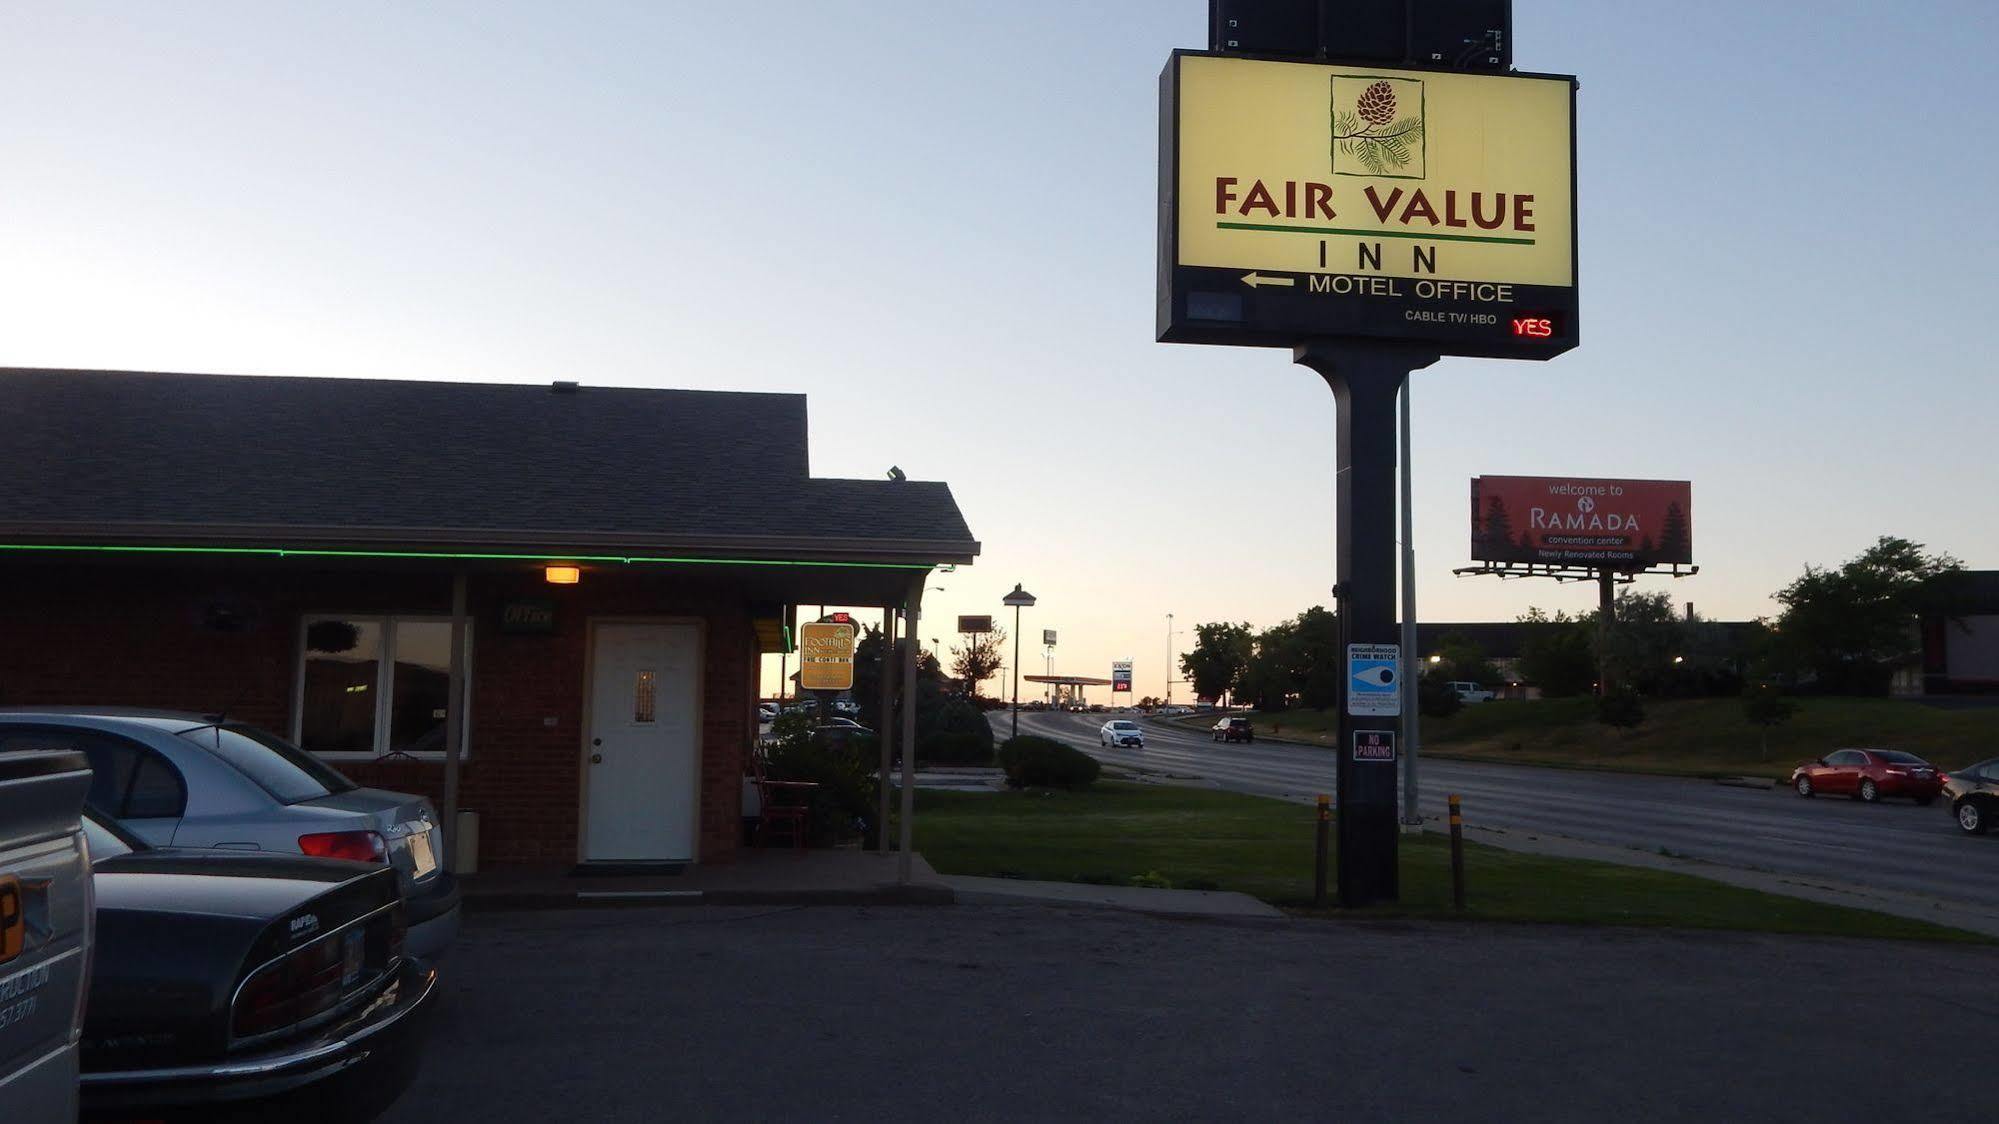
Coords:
1497,534
1675,540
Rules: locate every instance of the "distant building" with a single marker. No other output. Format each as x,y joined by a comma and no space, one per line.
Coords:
1961,655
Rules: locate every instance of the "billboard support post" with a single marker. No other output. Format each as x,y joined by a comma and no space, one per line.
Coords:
1606,617
1366,380
1412,815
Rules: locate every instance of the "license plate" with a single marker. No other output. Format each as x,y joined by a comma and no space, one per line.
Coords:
353,956
423,857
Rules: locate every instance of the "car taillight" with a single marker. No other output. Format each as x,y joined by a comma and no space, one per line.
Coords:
296,988
360,846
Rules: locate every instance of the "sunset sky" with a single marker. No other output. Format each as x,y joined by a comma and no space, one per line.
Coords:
937,217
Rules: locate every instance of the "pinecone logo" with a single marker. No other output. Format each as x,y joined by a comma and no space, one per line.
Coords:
1377,126
1377,103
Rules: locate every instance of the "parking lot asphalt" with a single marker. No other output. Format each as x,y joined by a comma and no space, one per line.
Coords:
1032,1013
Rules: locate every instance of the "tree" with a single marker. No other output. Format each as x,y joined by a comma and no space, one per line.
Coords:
1645,635
982,654
1463,662
1556,654
1221,654
1848,629
1267,681
1763,708
930,694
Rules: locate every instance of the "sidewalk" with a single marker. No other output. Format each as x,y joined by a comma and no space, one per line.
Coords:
757,877
1138,899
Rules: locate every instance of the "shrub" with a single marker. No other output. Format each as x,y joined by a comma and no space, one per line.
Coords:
843,805
1032,762
959,716
1622,709
1435,699
954,749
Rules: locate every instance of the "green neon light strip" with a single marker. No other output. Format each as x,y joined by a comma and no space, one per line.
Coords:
1411,235
308,552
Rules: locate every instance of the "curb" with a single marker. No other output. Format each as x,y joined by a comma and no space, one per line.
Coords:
928,895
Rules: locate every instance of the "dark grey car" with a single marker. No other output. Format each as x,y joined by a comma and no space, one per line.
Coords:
186,780
1973,796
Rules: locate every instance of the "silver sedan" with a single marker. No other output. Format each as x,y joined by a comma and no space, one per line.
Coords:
185,780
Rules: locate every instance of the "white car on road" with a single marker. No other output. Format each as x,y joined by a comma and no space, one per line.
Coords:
1121,732
1470,692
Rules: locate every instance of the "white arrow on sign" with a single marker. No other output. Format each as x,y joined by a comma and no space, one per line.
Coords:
1253,279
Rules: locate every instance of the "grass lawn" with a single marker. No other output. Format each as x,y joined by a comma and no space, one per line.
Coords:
1190,838
1699,737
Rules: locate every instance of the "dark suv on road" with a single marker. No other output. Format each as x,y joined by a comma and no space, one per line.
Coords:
1234,730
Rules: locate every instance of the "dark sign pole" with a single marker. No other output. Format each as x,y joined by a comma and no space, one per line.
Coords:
1365,379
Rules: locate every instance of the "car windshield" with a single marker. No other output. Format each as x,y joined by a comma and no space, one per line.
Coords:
288,773
1897,757
1124,726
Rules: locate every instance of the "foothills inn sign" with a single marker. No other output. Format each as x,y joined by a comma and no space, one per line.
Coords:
1301,200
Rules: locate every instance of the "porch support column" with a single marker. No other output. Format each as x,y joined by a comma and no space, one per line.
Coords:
885,733
454,720
914,613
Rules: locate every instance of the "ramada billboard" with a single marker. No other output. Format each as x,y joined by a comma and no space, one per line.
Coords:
1582,521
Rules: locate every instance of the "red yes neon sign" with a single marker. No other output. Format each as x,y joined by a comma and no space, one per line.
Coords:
1533,327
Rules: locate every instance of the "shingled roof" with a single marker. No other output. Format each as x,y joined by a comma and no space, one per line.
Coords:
99,457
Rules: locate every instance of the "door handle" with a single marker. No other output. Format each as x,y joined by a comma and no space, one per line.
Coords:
596,759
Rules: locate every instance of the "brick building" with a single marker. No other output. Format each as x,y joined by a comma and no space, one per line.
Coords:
300,554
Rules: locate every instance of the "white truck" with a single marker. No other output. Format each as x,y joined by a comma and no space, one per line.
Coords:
1470,692
46,915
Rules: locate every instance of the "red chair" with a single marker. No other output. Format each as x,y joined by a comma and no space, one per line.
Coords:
776,806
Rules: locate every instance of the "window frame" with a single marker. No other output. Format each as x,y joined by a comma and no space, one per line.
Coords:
385,678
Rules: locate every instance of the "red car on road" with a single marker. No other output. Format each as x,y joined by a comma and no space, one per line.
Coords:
1869,774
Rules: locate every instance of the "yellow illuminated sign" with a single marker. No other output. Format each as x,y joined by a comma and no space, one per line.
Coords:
1462,182
825,656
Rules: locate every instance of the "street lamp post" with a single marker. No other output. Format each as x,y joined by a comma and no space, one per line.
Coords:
1019,599
1169,659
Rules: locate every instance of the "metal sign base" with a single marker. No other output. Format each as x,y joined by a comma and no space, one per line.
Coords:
1365,379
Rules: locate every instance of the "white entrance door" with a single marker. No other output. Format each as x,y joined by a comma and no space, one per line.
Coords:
644,744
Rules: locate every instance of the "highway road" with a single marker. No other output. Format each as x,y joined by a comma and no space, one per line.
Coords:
1895,846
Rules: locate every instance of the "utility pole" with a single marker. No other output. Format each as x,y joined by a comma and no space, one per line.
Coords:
1169,659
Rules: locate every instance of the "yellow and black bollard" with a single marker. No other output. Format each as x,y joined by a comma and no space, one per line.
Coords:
1457,856
1319,865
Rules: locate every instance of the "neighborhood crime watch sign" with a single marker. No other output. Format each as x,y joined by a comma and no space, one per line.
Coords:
1308,201
825,656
